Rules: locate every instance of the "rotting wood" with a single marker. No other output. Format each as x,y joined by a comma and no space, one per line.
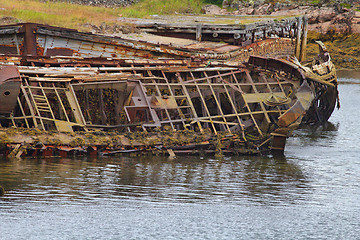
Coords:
237,34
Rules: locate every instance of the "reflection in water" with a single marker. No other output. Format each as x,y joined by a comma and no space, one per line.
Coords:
275,181
313,193
345,75
184,179
315,134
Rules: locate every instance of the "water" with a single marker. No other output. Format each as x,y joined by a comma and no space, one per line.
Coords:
311,193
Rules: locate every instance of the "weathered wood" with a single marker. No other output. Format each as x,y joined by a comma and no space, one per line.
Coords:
298,39
304,39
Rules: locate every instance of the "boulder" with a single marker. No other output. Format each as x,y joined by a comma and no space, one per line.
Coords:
226,3
321,15
236,4
8,20
211,9
264,9
291,11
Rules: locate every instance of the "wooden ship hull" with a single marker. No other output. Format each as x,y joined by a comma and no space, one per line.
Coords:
42,43
195,102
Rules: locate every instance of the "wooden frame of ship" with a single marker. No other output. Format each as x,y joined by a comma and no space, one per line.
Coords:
153,98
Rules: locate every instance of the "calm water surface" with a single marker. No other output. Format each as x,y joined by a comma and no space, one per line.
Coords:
311,193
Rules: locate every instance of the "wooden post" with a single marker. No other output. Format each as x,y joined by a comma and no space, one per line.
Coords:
29,40
102,108
303,40
298,36
75,106
198,32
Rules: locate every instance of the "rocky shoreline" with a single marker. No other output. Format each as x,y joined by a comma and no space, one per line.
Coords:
338,17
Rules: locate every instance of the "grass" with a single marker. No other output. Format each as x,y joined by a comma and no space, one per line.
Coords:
69,15
162,7
76,16
57,13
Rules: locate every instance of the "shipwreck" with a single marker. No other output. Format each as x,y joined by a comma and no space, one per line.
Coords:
64,91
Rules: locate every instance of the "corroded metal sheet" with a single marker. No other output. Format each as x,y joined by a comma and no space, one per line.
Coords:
9,89
305,97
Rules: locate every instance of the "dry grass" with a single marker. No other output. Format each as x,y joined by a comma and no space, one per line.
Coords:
162,7
57,13
77,16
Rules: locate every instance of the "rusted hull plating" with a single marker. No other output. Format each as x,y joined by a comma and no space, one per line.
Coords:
9,89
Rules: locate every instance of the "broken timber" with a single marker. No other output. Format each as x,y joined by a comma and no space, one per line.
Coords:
237,34
66,81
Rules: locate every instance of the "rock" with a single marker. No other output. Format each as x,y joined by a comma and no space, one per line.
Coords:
356,28
236,5
2,191
344,22
264,9
321,15
226,3
326,15
8,20
258,3
111,29
211,9
250,11
291,11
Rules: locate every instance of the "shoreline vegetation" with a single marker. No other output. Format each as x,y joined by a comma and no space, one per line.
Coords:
335,23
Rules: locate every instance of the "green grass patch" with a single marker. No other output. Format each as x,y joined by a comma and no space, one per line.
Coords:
162,7
32,16
215,2
59,14
315,2
69,15
345,5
